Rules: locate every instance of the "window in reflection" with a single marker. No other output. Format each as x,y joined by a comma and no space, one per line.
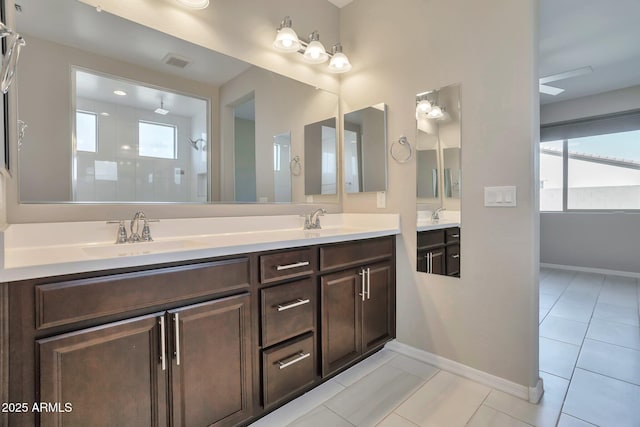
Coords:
86,131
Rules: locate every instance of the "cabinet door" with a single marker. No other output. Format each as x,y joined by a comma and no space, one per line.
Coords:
438,261
341,303
378,307
211,366
111,375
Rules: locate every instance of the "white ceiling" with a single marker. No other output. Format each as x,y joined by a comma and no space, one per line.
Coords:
602,34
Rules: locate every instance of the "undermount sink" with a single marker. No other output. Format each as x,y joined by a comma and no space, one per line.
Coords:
140,248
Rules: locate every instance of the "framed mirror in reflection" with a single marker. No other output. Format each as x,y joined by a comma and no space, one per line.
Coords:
117,112
438,174
365,150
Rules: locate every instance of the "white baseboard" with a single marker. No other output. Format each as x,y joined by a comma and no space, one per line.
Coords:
523,392
591,270
535,393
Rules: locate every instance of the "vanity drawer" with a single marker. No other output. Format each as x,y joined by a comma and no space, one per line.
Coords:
286,265
76,300
453,235
427,239
353,253
287,369
287,310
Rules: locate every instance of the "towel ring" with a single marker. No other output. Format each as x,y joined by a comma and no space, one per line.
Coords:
295,166
402,142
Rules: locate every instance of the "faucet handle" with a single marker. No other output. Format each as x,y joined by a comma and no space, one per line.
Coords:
146,232
307,221
121,237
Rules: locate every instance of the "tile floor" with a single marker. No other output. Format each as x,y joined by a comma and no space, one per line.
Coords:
589,361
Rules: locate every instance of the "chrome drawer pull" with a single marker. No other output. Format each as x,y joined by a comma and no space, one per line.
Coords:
295,265
177,323
455,235
162,345
298,303
301,356
455,256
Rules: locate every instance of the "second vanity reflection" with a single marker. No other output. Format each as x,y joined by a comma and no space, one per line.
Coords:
438,146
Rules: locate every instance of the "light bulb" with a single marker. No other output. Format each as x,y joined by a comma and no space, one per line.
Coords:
339,63
423,107
286,40
435,113
315,52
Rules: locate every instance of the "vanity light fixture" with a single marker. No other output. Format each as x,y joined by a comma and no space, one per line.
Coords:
161,110
315,53
194,4
105,114
286,39
120,92
312,51
339,62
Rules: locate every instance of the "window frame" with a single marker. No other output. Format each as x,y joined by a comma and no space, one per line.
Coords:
599,125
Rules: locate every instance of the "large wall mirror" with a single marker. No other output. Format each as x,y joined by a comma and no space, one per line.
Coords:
365,150
438,174
118,112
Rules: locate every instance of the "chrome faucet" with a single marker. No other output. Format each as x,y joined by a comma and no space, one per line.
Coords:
135,236
312,220
435,216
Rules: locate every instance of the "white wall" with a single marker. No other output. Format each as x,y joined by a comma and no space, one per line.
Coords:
593,105
488,319
607,241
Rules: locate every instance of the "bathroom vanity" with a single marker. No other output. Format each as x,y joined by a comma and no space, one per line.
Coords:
198,339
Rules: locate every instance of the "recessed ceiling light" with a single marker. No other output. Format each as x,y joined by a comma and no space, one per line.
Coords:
194,4
120,92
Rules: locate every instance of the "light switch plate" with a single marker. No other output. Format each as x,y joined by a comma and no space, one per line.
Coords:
504,197
381,200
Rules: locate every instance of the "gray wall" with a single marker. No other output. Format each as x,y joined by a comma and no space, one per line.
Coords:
608,241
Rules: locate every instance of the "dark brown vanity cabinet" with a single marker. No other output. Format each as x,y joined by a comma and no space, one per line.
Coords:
182,359
357,304
439,251
210,342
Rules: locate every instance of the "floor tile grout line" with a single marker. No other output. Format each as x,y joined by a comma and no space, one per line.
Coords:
604,278
608,376
479,406
339,416
610,343
577,418
404,418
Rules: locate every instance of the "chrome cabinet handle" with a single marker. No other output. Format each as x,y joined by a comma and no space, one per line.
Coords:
455,256
363,294
176,320
368,283
300,356
429,256
294,265
297,303
455,235
162,345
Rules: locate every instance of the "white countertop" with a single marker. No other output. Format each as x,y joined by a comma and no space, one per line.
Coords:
51,249
447,219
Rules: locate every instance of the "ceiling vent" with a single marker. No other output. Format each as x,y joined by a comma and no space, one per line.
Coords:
176,60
